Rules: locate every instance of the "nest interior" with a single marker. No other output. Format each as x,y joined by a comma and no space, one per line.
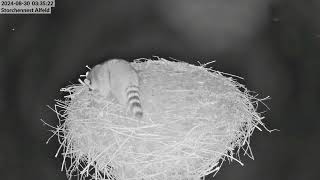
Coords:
194,118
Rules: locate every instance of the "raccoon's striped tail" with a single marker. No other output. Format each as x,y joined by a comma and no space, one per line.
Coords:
134,103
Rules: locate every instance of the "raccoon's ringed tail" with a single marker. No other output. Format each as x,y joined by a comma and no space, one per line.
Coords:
134,102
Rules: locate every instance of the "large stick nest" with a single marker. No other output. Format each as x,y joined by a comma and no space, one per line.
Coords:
194,118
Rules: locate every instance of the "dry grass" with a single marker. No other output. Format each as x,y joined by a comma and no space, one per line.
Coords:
194,118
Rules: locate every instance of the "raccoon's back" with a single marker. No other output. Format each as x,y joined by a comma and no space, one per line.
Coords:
124,82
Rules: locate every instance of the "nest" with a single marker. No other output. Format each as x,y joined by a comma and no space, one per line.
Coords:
194,119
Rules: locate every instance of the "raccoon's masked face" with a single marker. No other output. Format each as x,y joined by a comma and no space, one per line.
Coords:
92,79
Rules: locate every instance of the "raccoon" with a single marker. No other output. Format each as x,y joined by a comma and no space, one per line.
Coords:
118,77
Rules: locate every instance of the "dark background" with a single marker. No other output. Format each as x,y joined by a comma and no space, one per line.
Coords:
273,45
